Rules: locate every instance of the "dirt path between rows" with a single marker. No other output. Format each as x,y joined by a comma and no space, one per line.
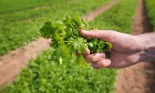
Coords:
11,64
92,15
139,78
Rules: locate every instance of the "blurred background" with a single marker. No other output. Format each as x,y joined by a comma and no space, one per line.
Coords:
20,21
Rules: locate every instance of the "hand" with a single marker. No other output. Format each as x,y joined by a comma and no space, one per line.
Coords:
126,49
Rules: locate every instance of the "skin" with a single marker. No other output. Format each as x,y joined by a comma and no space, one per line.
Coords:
127,49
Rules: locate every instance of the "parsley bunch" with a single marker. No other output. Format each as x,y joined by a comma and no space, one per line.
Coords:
66,39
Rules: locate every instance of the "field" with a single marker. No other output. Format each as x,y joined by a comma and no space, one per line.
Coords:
17,28
16,5
151,13
19,25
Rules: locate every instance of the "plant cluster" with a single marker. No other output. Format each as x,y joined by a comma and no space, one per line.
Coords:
19,24
45,75
150,13
65,35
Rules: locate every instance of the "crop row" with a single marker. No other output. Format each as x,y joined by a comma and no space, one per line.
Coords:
151,12
119,18
46,75
21,27
7,6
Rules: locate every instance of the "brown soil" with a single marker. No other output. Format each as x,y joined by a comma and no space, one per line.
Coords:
139,78
11,64
92,15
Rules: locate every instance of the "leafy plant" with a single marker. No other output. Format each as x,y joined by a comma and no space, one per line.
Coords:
45,75
65,36
151,13
19,24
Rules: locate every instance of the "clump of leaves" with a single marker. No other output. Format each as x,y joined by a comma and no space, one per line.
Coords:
66,39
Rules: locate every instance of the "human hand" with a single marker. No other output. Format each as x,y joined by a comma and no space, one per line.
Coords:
126,49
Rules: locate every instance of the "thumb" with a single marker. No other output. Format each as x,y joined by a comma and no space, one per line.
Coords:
106,35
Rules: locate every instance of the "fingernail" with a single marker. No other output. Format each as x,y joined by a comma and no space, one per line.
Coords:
87,52
85,31
107,62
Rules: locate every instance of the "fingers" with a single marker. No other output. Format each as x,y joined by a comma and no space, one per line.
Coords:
101,64
94,57
106,35
98,60
87,52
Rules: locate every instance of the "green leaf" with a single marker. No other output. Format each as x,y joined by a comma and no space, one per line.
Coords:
80,45
66,38
81,61
60,60
107,46
46,30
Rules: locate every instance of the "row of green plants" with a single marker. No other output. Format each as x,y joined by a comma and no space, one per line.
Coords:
119,18
17,5
46,75
151,12
21,27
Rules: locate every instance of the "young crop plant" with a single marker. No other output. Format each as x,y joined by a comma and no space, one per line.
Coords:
66,39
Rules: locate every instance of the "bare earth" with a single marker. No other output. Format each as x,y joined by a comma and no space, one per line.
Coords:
11,63
139,78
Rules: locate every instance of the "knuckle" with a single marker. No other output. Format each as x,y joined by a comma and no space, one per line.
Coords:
95,34
94,59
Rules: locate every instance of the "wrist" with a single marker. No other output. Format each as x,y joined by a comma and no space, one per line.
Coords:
149,55
148,52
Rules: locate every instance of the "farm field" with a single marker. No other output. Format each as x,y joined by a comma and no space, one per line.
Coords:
44,74
151,13
114,18
20,25
17,5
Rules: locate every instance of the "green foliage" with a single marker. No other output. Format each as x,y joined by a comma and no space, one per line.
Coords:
66,33
47,30
44,75
118,18
17,5
22,18
150,7
47,75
